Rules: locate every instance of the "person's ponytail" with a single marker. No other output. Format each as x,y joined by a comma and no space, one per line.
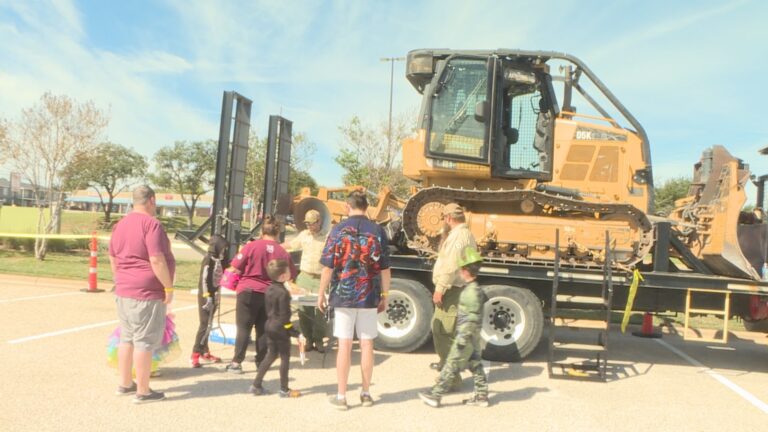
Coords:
270,226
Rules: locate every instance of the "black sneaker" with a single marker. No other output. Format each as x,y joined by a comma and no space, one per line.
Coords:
339,404
366,400
476,400
428,398
234,368
122,391
153,396
257,391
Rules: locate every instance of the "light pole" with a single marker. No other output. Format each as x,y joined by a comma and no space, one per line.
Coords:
391,61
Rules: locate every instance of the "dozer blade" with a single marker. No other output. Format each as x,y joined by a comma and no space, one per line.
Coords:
727,246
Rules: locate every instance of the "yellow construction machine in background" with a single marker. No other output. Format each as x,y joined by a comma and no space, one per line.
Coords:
496,137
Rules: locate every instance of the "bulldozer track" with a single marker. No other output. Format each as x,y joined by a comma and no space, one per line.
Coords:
544,204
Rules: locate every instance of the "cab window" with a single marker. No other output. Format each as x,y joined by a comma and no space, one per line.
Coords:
454,130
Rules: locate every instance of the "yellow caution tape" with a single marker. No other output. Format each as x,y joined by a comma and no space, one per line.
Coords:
577,373
54,236
636,279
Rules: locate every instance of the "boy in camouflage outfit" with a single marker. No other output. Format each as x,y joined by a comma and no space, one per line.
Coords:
465,351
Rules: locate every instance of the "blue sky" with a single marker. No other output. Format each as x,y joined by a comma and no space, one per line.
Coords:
688,70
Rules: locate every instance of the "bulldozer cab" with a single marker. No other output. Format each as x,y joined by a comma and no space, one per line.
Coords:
491,111
502,120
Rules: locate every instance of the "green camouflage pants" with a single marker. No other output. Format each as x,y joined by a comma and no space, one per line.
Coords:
311,320
464,354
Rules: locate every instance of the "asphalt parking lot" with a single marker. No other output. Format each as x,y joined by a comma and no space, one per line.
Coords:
54,377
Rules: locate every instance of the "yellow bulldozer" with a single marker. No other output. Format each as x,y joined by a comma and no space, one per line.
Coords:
499,133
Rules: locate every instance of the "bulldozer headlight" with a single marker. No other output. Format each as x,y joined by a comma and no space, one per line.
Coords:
518,76
420,64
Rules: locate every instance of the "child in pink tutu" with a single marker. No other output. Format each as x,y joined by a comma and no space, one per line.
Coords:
168,352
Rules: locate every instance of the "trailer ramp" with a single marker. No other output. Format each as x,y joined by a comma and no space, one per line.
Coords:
578,349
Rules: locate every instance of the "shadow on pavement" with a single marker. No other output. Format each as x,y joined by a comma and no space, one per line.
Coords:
212,388
630,356
515,395
499,372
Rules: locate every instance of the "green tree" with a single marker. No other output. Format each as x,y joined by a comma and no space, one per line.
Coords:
187,169
669,192
301,179
42,143
370,159
302,152
109,169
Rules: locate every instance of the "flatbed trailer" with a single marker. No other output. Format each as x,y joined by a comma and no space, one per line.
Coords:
519,294
518,291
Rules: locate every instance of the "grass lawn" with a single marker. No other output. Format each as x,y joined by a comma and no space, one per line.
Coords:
24,220
18,219
74,265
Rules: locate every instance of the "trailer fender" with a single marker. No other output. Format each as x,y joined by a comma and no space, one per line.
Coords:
405,325
513,322
757,320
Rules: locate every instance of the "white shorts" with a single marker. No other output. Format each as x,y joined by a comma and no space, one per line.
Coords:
348,320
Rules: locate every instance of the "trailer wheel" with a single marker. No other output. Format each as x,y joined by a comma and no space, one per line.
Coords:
405,325
758,326
513,321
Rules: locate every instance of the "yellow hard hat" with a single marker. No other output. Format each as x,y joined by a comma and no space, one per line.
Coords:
469,255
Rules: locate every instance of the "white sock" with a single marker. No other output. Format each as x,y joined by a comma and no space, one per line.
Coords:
340,396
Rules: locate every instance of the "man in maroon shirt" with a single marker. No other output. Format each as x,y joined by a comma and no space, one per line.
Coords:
143,268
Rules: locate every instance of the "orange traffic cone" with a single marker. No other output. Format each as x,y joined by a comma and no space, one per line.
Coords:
92,287
646,330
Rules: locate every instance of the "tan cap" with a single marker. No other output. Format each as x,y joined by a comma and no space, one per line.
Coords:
453,209
312,216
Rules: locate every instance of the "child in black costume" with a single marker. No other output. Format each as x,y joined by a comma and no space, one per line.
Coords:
207,297
279,329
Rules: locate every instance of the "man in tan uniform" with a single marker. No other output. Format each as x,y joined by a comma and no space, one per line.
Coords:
310,242
448,283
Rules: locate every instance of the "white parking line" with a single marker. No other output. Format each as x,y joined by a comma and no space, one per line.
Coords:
11,300
762,406
61,332
85,327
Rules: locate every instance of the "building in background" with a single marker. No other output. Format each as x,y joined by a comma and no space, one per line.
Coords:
18,193
168,204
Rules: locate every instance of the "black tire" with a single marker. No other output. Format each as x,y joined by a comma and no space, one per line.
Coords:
513,322
406,324
758,326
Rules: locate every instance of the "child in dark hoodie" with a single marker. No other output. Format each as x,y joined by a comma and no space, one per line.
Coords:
279,329
208,297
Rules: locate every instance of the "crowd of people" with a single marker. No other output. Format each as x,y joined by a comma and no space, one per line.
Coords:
347,267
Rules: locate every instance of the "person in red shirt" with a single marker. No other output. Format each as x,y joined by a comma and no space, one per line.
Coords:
142,267
250,308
